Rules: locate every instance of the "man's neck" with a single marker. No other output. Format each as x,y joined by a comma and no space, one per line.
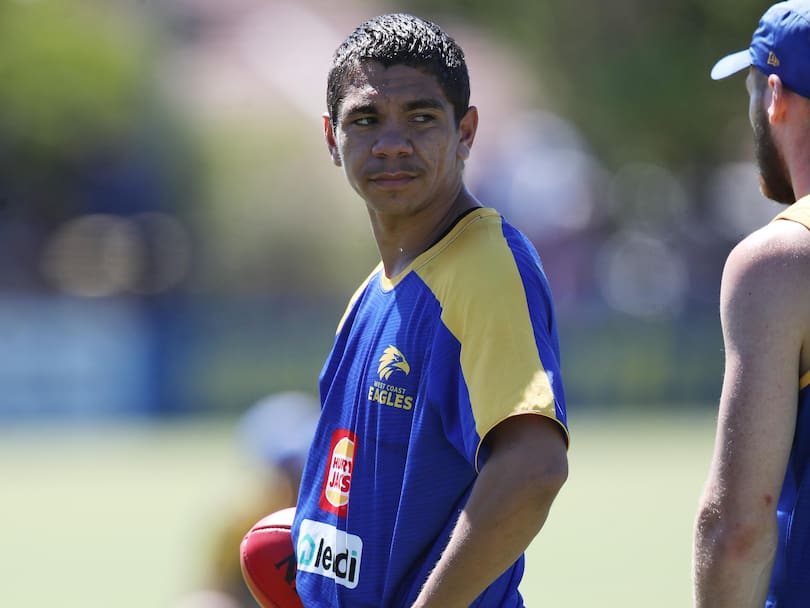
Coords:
401,239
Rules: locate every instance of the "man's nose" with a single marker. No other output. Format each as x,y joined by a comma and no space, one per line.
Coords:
392,142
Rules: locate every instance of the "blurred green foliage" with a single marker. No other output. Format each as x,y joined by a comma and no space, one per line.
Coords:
77,90
68,73
632,75
625,361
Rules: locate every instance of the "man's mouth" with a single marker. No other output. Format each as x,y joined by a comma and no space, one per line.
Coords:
392,180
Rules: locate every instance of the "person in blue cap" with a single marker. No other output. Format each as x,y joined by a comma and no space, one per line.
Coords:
752,537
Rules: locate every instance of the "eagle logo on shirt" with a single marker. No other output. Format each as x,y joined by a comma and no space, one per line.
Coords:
392,359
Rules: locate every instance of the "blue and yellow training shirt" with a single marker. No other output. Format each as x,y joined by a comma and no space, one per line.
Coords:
423,366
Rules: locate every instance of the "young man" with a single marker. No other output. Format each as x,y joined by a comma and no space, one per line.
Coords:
752,543
442,438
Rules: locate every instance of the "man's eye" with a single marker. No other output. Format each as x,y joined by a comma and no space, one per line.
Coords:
364,121
422,118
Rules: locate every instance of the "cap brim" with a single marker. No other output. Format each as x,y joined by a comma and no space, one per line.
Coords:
731,64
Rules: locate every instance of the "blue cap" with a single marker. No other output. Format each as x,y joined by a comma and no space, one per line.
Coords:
780,45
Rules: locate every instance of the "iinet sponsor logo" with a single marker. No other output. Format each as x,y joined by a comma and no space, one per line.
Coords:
325,550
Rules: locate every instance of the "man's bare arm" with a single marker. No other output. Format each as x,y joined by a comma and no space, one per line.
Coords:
507,507
762,307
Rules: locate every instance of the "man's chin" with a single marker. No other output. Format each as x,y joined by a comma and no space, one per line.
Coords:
783,195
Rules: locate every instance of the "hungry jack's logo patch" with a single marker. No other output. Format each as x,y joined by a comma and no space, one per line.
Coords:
337,479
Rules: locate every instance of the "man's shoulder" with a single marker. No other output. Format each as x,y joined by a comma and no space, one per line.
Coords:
488,272
478,268
358,294
770,268
780,247
483,245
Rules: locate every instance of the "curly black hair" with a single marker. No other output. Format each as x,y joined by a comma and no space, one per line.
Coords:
401,39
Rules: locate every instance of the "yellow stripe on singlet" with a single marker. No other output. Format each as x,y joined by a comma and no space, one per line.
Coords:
804,381
798,212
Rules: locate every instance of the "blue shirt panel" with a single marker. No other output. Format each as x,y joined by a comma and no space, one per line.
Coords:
790,580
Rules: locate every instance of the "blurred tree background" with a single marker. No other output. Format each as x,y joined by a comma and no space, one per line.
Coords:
632,75
174,239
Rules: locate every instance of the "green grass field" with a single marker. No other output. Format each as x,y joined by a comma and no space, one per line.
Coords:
620,532
120,516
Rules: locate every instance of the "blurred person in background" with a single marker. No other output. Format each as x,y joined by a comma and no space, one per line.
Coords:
752,540
442,438
276,432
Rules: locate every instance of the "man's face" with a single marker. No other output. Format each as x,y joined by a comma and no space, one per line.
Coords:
773,175
397,139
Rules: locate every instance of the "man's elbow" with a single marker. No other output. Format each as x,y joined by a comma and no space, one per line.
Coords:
734,538
544,480
554,476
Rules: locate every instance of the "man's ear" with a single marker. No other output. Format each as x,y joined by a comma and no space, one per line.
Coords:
467,128
331,142
777,108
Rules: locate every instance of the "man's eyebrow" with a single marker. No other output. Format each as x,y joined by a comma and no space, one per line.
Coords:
428,103
366,108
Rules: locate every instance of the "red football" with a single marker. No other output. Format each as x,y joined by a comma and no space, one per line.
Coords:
268,561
